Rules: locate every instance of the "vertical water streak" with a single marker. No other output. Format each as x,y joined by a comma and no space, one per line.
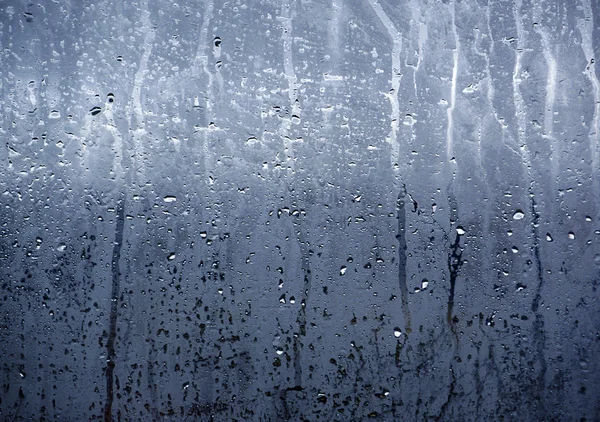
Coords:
114,308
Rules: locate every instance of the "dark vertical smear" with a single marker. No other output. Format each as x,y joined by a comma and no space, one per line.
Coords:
114,307
401,237
451,394
454,264
455,261
539,333
305,253
301,317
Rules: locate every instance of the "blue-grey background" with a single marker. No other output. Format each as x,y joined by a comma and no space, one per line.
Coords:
300,210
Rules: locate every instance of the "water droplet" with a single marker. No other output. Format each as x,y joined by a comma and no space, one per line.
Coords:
424,284
409,120
110,97
95,111
54,114
279,351
217,41
460,230
61,247
588,218
171,256
170,198
515,249
282,298
292,300
397,332
548,237
571,235
518,215
203,235
343,270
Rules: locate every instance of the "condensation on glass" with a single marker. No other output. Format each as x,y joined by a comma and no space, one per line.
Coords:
300,210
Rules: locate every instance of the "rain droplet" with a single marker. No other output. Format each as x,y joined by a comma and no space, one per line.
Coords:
518,215
571,235
170,198
409,120
95,111
61,247
54,114
548,237
397,332
460,230
343,270
171,256
424,284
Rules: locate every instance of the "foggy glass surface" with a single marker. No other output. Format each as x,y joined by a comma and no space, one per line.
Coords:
300,210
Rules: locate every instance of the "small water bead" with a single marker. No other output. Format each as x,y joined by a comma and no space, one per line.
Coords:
518,215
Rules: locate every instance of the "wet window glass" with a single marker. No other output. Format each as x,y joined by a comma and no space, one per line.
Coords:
300,210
